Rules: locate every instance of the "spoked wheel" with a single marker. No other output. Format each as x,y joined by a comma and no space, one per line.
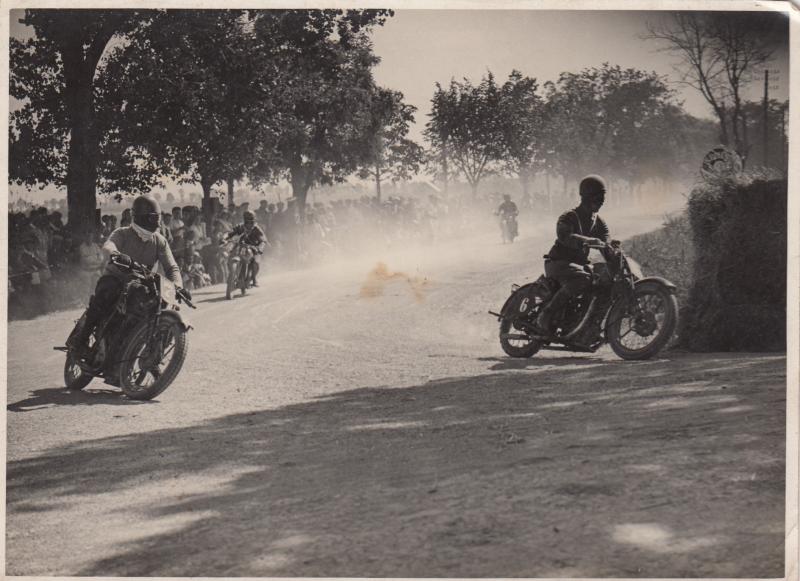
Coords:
516,347
644,326
74,377
232,281
150,363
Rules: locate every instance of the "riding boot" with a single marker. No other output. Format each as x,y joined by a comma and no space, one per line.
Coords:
545,319
81,340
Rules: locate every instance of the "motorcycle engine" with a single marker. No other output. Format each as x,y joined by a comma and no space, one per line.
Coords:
140,300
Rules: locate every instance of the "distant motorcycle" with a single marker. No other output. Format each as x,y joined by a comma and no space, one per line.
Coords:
140,345
508,228
637,316
240,274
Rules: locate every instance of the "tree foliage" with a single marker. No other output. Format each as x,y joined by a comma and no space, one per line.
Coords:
466,127
55,135
391,153
718,52
323,86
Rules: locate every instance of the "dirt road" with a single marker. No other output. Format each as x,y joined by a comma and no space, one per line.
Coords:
318,432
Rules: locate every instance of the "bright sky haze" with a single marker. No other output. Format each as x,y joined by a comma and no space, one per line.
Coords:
420,47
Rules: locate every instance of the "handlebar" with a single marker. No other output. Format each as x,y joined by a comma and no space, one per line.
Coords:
182,296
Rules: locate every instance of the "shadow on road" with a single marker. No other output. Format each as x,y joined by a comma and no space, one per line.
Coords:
672,469
60,396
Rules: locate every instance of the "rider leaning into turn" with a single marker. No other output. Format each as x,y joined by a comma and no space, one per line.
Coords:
140,242
568,258
252,235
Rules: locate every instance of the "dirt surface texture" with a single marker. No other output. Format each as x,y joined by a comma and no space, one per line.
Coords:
361,420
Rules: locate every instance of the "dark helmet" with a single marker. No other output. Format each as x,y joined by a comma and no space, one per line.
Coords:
248,216
146,213
507,197
592,185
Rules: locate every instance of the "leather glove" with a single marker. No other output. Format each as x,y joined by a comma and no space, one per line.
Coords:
122,259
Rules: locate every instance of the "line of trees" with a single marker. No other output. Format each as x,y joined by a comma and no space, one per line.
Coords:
621,122
114,101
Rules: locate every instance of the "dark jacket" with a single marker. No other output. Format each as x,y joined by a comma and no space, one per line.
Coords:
255,237
572,230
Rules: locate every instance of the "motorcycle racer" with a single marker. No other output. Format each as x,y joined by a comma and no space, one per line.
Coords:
252,235
140,242
508,211
568,258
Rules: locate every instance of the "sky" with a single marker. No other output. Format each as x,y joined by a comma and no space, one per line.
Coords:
420,47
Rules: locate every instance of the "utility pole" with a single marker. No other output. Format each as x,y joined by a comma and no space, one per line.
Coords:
766,116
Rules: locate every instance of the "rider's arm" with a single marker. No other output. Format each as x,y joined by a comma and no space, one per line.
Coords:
565,231
167,261
262,239
111,246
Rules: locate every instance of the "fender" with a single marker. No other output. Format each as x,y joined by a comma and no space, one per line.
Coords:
177,317
511,306
658,280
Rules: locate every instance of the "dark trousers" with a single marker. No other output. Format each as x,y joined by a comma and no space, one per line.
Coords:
574,278
105,295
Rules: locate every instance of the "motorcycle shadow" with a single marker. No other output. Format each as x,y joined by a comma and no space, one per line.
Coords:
508,363
57,396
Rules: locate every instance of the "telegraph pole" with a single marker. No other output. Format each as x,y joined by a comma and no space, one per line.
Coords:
766,116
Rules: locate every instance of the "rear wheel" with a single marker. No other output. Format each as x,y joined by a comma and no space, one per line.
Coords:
515,347
642,327
150,363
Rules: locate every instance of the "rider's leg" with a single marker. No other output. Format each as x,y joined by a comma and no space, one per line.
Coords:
105,295
574,279
254,266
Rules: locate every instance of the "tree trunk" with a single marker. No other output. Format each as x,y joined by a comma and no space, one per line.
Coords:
378,183
445,170
230,182
549,191
300,186
208,212
524,179
80,53
81,179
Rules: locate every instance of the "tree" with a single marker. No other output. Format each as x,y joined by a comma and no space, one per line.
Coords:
194,90
391,154
54,136
718,52
521,110
324,66
465,125
620,120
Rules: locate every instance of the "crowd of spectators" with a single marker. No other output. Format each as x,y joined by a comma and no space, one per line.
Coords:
51,268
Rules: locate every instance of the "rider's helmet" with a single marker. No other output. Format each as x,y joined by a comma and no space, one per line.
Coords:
592,190
146,213
507,197
249,219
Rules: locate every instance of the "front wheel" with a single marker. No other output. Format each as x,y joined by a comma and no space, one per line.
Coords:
152,360
75,378
640,328
516,347
232,282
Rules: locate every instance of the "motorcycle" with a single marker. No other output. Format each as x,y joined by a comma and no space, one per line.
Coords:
508,228
240,274
636,315
140,345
